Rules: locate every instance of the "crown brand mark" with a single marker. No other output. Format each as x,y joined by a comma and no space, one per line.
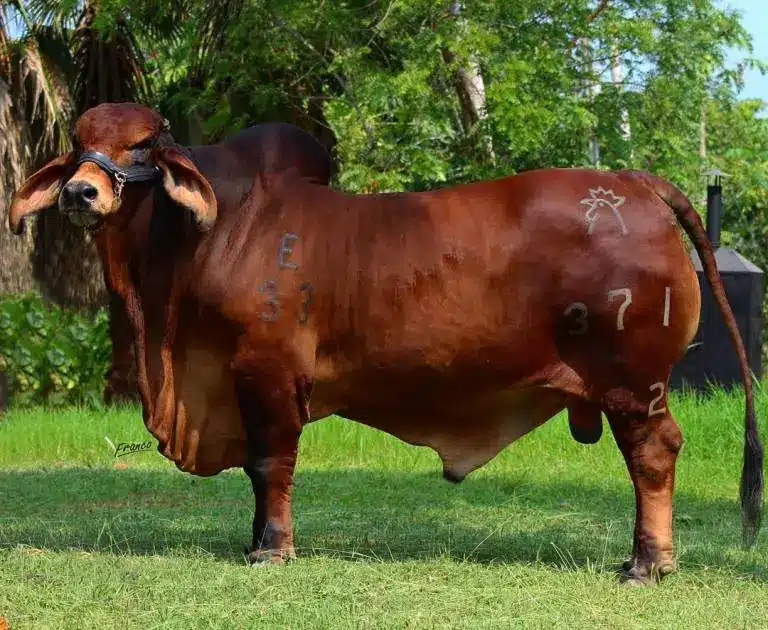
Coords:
601,198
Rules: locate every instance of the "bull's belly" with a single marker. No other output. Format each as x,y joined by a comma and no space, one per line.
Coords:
466,435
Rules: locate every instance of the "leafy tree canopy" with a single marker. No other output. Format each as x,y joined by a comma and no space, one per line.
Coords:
389,83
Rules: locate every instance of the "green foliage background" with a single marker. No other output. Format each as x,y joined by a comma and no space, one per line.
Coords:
53,355
374,74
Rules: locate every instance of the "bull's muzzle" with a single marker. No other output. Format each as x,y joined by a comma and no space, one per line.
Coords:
76,202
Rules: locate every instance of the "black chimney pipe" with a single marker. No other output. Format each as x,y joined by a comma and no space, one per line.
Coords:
714,212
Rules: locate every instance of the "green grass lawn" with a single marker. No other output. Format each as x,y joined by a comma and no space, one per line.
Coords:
532,540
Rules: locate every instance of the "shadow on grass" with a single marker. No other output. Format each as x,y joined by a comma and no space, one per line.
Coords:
360,514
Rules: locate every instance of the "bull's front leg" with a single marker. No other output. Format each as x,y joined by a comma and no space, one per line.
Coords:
271,478
272,426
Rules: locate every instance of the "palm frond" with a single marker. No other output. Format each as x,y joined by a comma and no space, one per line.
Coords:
212,36
54,44
5,50
160,20
46,101
109,66
36,112
61,14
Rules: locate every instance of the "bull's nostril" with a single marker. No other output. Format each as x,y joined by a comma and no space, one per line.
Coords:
79,194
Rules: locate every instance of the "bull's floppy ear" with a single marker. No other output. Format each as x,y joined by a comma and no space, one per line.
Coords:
187,186
40,191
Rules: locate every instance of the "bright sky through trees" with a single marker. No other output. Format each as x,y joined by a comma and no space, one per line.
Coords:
755,19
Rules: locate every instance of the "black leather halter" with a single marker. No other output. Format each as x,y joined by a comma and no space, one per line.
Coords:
138,172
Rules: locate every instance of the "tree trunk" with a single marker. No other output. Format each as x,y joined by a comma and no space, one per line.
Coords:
591,90
16,252
470,88
617,76
67,265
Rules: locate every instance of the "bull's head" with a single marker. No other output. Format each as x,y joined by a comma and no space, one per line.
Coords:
117,145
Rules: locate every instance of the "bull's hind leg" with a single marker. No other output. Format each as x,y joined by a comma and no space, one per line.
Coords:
650,445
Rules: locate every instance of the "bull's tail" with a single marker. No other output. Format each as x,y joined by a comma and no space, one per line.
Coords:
752,471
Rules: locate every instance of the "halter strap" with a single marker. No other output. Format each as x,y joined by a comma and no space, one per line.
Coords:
133,173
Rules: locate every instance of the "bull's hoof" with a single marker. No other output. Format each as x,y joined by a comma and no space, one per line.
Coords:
635,577
263,557
634,574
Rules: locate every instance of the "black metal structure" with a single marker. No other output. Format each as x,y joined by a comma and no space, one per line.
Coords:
711,358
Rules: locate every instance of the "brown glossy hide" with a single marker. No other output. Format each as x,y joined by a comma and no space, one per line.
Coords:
440,317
